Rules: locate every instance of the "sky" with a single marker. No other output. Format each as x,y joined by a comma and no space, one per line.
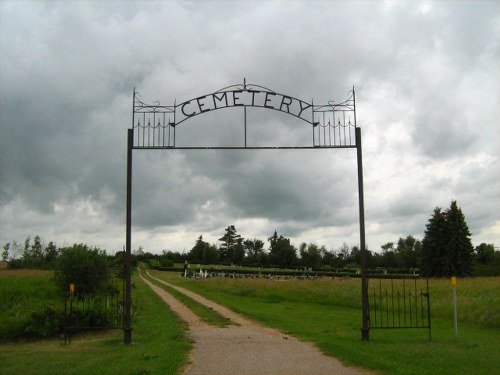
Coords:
425,73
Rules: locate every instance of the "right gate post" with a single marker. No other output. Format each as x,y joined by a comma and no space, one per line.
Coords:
365,330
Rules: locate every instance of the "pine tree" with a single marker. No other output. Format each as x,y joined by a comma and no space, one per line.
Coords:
447,248
459,248
229,242
433,245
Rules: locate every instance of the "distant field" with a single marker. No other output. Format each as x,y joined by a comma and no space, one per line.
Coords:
327,312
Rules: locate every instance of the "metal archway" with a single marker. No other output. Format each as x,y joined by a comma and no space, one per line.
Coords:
333,125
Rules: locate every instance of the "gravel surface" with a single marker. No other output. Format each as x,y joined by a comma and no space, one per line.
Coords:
247,348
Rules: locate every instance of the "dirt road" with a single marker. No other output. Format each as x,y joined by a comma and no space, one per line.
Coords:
247,348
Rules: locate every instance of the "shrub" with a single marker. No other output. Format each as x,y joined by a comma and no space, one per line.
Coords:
87,268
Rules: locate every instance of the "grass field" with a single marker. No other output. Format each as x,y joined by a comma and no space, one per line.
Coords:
22,293
159,342
327,312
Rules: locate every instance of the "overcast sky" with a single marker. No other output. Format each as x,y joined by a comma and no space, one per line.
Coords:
426,75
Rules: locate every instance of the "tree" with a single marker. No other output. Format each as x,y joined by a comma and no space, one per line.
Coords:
196,253
434,245
311,255
203,252
5,252
459,247
446,248
87,268
485,253
228,246
281,251
50,253
388,255
254,250
408,252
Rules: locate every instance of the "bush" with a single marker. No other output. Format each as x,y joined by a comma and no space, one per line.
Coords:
45,323
87,268
164,262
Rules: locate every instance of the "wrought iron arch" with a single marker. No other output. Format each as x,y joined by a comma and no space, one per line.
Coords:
333,125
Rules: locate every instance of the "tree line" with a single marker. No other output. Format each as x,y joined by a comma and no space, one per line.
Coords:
445,250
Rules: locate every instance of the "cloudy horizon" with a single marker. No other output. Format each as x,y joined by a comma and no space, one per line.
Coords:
427,101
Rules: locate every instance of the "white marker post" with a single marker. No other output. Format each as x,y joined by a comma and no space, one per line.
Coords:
454,285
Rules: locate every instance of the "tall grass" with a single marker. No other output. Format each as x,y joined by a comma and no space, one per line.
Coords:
30,305
478,299
328,313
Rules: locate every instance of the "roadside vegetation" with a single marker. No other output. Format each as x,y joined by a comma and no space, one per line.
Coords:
30,305
328,313
159,346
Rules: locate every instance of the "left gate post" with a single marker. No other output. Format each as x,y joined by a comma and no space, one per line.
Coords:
127,323
365,329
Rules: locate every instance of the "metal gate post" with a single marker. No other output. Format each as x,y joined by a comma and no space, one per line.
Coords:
365,330
127,323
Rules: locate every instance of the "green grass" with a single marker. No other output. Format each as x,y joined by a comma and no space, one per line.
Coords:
327,312
159,346
206,314
23,293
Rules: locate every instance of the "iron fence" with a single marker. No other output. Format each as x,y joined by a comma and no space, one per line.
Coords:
95,312
400,303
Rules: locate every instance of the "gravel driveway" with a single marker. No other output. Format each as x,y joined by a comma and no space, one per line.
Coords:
247,348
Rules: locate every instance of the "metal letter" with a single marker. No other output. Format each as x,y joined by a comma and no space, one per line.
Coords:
217,99
302,109
235,98
268,100
253,96
201,105
184,113
286,104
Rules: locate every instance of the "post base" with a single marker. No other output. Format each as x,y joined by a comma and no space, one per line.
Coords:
365,334
127,336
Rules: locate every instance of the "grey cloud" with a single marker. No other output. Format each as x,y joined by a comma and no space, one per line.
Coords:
68,71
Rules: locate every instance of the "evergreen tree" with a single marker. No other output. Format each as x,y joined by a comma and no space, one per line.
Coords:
229,242
446,248
459,248
434,244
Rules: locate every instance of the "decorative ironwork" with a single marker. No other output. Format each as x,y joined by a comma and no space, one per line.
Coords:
400,303
332,124
335,123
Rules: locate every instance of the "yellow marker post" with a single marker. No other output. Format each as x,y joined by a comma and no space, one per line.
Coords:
71,292
453,281
455,315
